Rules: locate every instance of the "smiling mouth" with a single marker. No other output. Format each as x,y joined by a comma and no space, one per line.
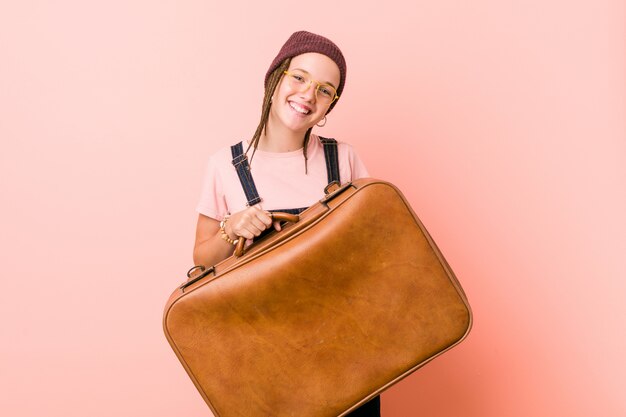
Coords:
300,109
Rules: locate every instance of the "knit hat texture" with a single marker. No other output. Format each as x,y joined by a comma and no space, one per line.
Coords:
303,42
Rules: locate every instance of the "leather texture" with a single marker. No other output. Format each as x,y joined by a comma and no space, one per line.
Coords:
319,318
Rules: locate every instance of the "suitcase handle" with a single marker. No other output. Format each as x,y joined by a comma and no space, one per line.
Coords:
277,216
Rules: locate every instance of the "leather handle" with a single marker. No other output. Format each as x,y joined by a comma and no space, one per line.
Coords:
277,216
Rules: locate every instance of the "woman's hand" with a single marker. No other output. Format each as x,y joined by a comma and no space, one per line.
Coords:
210,248
249,223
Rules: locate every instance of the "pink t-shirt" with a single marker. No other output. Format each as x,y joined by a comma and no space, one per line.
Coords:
279,178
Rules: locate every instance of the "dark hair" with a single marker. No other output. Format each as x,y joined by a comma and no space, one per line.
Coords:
272,83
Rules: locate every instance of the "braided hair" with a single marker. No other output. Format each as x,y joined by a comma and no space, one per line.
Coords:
272,83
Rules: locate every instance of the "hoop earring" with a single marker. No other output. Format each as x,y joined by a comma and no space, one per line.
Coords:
319,125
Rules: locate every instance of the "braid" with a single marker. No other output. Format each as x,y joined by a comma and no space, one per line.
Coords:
307,135
272,82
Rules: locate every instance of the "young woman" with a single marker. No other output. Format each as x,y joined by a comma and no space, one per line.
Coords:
284,167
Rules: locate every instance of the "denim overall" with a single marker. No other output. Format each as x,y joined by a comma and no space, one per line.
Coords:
240,161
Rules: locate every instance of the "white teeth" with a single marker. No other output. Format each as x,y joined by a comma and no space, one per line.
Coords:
299,109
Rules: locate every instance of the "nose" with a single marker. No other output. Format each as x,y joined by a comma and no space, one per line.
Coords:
309,92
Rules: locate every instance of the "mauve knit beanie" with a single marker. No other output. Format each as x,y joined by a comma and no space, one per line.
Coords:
303,42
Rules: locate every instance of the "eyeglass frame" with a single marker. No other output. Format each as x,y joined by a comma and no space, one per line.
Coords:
319,84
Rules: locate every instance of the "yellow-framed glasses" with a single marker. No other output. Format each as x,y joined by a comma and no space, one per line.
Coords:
301,81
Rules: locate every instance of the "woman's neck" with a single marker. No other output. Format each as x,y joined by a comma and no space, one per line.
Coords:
277,138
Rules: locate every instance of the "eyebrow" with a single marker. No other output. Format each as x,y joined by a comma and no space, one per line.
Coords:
307,72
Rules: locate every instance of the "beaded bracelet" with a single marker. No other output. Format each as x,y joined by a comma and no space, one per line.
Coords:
223,233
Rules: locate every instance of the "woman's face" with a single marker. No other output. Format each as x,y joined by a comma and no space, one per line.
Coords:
297,106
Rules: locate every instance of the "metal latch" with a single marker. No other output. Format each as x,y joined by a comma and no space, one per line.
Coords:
196,273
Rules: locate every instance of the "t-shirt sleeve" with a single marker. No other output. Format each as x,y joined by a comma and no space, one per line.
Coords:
212,202
357,167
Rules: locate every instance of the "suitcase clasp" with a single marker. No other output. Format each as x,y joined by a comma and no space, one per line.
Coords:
195,274
333,189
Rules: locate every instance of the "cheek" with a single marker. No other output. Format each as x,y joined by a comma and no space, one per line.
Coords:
282,90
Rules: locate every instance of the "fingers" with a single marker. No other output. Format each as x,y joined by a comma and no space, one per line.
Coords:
249,222
264,217
277,226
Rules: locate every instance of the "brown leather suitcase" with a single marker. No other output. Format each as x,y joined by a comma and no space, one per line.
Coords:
317,319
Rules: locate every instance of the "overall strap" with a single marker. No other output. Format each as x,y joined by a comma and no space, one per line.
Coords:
240,161
332,159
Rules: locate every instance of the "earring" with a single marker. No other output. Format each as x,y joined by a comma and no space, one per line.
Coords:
321,125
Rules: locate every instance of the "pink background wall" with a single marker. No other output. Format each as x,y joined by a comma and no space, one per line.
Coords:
502,121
